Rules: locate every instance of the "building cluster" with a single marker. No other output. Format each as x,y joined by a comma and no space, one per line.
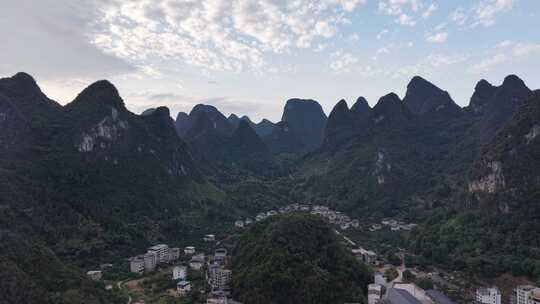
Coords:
404,293
219,277
393,225
154,256
334,217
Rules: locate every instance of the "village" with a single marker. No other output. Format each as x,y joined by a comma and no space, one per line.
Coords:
204,275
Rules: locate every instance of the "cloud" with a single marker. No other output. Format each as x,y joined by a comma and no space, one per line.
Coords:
437,37
504,44
382,33
486,11
401,10
217,35
489,63
524,49
342,62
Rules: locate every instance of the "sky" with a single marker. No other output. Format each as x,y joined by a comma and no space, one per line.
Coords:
249,56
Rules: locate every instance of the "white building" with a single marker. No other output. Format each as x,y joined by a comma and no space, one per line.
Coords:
220,255
94,275
189,250
527,294
179,273
162,251
488,296
136,264
374,293
183,287
239,224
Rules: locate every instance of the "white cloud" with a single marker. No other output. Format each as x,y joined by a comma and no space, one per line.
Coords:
403,10
341,62
524,49
487,10
221,35
489,63
353,37
437,37
504,44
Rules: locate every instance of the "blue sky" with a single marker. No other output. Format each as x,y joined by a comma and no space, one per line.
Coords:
250,56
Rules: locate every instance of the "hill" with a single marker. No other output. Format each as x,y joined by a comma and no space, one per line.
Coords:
296,259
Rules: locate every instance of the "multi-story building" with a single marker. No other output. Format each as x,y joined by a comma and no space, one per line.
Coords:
150,261
189,250
488,296
219,278
374,293
136,265
162,251
527,294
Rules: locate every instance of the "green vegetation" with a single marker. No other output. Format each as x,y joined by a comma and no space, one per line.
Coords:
296,259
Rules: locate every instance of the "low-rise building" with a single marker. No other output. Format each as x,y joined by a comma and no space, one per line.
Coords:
366,256
183,287
248,221
217,297
94,275
179,273
490,295
239,224
398,296
220,278
189,250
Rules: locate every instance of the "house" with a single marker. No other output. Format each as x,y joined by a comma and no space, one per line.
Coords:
209,238
179,273
197,262
136,264
183,287
490,295
162,252
189,250
374,293
94,275
248,221
239,224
